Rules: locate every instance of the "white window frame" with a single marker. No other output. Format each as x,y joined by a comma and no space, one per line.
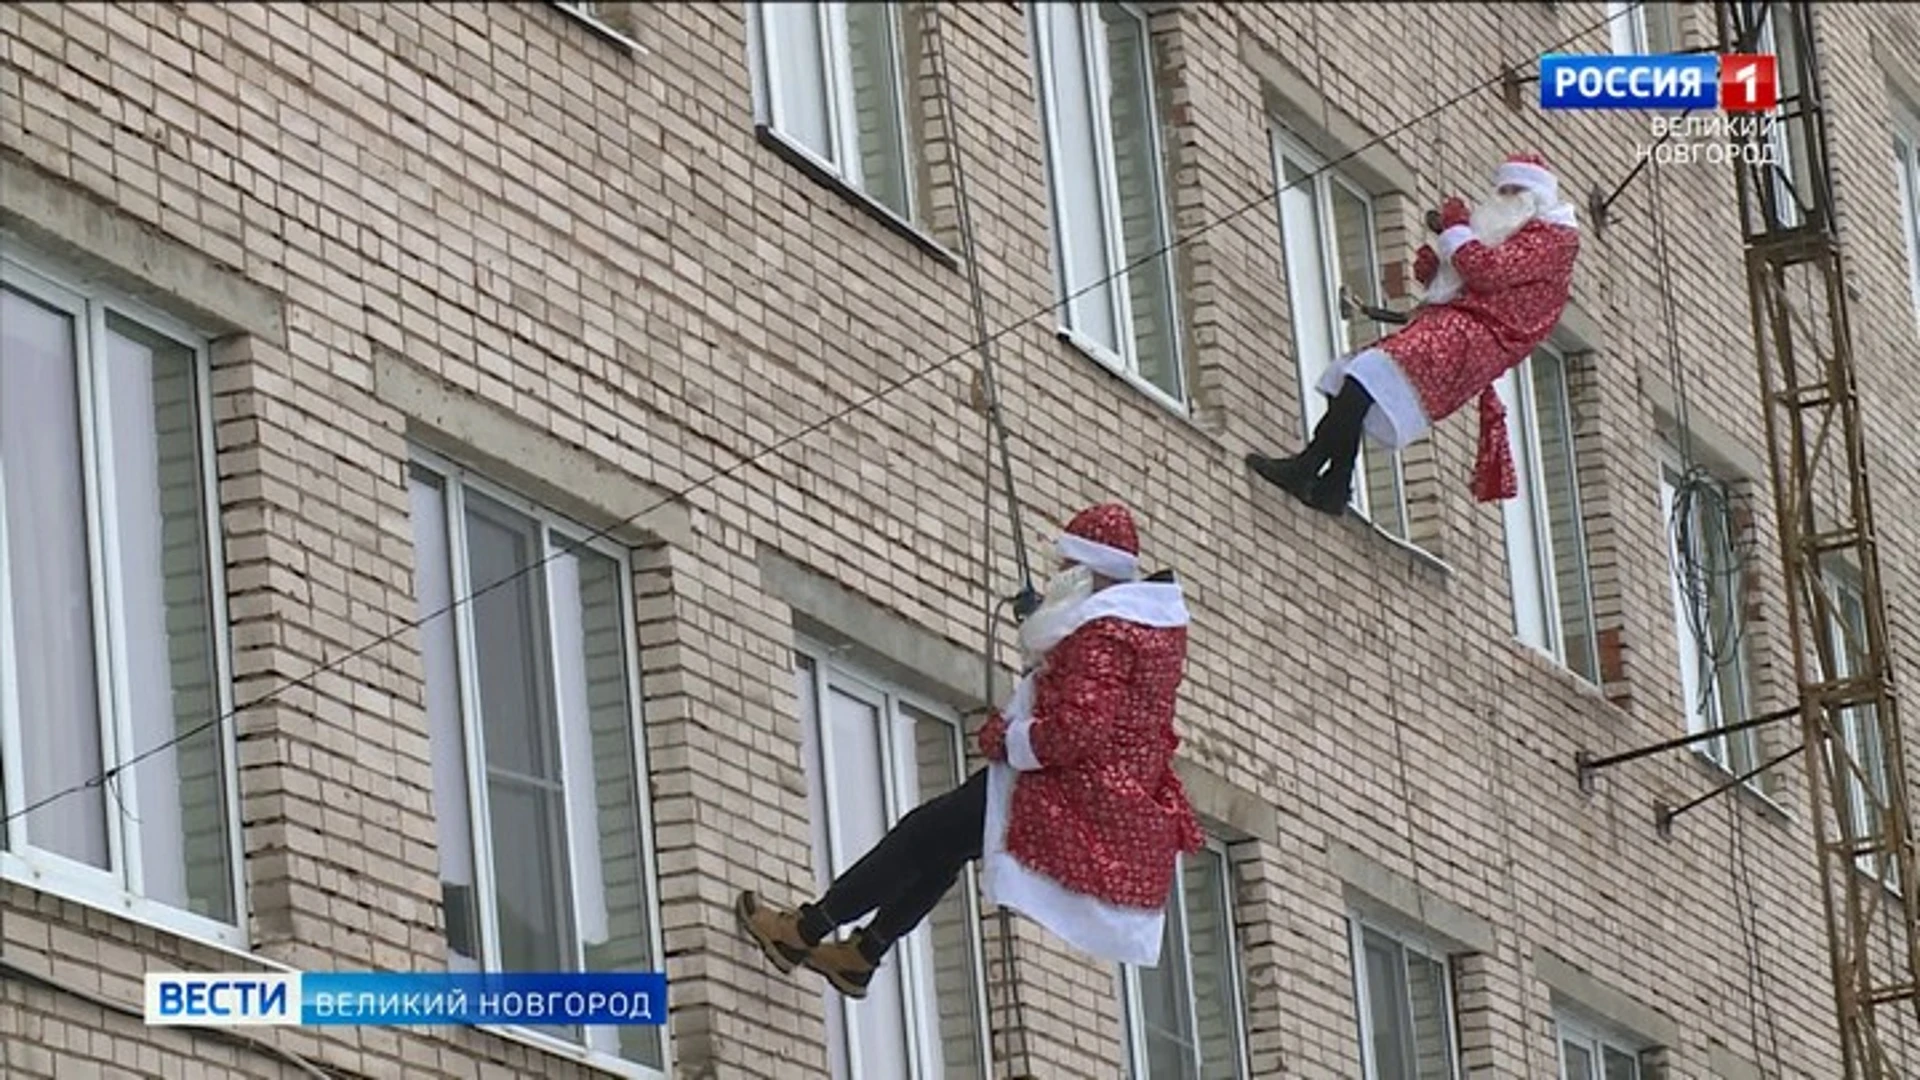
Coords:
1126,363
1717,750
456,480
1906,149
1529,515
1775,136
1627,29
1358,926
836,67
914,952
588,13
1311,368
1597,1039
1133,1013
117,890
1844,582
1630,29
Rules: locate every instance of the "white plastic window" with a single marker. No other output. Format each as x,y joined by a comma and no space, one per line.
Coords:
539,777
113,650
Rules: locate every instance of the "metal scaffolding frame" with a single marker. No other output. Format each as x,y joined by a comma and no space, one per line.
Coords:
1849,720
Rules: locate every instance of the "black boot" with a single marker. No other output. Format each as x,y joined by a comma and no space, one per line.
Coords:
1336,440
1293,475
1331,493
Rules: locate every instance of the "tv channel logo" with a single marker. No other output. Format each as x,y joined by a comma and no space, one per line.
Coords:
226,999
1732,83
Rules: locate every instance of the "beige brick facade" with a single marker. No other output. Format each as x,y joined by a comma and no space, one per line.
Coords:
569,269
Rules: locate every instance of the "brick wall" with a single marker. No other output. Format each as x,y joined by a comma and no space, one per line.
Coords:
591,244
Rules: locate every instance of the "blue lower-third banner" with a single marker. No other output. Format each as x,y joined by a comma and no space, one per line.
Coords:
399,998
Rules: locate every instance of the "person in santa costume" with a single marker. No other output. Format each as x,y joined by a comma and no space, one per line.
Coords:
1493,292
1078,819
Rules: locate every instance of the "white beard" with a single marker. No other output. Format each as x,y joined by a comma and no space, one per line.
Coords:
1050,623
1503,215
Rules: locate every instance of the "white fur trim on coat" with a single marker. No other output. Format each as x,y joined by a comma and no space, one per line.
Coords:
1020,753
1106,561
1397,417
1455,238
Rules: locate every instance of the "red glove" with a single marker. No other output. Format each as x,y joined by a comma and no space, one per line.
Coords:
1454,212
993,738
1425,264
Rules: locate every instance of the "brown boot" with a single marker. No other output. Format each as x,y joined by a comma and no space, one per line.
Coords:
844,964
775,930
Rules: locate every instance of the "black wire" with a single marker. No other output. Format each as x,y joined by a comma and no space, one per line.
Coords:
1705,528
568,547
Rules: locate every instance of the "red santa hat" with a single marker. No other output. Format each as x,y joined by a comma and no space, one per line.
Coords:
1103,539
1528,171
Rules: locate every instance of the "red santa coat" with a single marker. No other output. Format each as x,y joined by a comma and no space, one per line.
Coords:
1511,298
1085,815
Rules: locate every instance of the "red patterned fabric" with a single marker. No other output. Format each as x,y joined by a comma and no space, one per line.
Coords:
1512,299
1105,814
1110,524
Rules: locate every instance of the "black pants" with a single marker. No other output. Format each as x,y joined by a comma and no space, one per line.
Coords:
907,872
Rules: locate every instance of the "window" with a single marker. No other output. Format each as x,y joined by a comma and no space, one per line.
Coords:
1107,185
1707,584
1906,155
1588,1054
872,754
831,84
1184,1017
1546,539
1788,156
1643,29
1327,232
112,611
1867,792
1405,994
538,768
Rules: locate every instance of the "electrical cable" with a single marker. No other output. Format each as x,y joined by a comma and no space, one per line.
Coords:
568,546
1704,528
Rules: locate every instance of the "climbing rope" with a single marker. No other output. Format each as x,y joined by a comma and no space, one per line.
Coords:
996,426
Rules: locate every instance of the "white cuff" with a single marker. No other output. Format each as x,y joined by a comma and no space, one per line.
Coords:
1103,560
1454,239
1020,746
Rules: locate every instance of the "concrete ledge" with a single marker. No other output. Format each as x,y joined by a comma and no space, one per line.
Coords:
1299,105
1605,1003
902,651
1244,815
1578,332
49,215
511,451
1711,442
1398,894
1727,1065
